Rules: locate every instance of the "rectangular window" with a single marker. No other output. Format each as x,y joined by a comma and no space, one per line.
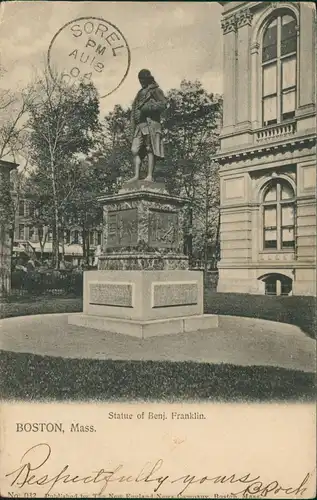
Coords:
76,237
288,240
270,227
270,238
287,215
269,110
21,232
289,73
91,238
270,217
21,208
269,80
49,236
270,94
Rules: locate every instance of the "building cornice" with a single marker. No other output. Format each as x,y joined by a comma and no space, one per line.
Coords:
233,22
265,149
8,164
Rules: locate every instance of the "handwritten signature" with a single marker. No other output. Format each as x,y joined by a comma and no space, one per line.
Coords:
31,474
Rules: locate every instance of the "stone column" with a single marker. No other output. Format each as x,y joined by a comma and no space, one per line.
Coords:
255,86
243,94
229,30
306,55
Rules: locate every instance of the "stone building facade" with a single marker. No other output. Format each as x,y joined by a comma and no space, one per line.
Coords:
5,224
268,149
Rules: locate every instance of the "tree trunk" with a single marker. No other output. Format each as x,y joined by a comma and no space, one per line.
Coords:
56,217
84,242
88,249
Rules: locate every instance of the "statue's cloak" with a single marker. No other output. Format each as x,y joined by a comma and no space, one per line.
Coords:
145,116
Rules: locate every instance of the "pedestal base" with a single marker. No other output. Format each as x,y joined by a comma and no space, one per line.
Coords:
145,329
144,303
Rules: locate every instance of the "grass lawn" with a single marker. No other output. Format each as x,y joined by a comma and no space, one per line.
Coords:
32,377
40,305
296,310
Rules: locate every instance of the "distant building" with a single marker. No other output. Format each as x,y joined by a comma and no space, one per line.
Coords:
27,239
268,149
5,237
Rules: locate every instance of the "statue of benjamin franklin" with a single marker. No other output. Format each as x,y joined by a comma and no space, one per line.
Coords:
147,108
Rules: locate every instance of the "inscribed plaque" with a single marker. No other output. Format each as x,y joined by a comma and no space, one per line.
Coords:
174,294
111,294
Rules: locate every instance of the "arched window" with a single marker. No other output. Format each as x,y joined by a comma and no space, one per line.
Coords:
278,211
279,50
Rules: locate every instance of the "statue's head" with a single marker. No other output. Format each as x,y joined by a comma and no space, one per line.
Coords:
145,77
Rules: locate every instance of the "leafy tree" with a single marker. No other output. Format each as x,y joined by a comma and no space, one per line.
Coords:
93,177
191,131
62,123
13,109
114,145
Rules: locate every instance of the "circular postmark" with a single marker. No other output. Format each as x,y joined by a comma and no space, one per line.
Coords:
91,49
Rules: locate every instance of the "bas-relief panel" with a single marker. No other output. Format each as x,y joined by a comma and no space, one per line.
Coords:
163,228
122,228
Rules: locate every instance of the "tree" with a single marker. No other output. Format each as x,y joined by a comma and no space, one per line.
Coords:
191,132
63,120
93,177
13,109
114,145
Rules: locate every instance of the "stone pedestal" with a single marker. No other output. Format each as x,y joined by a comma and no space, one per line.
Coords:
143,286
143,229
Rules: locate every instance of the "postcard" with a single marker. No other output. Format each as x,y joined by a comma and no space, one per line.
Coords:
158,249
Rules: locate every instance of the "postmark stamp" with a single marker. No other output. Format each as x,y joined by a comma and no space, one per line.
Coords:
91,49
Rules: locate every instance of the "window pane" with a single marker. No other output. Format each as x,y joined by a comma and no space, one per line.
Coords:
288,101
269,80
270,238
270,42
288,46
270,195
288,238
288,29
270,217
289,73
269,110
269,53
287,192
287,215
270,34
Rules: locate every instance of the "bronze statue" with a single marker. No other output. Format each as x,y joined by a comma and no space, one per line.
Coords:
147,108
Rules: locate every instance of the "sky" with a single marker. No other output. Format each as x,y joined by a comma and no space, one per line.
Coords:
175,40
